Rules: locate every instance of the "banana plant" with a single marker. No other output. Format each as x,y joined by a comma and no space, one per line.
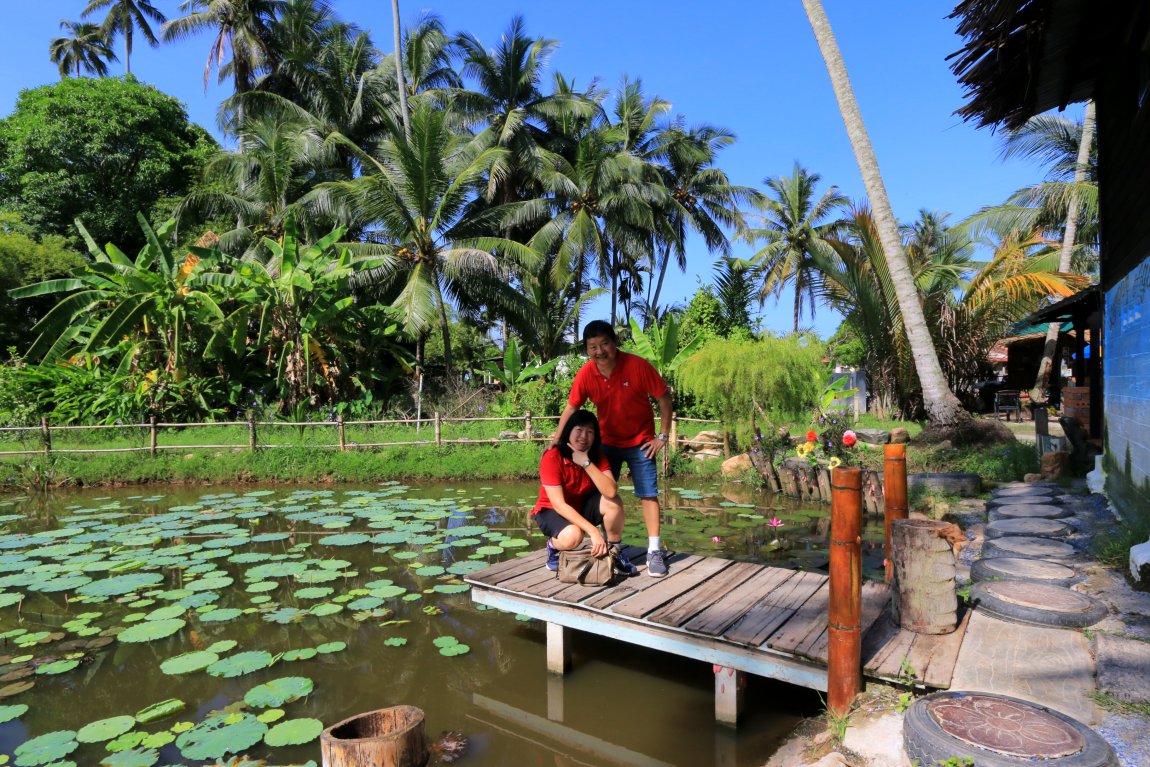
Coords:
516,375
660,345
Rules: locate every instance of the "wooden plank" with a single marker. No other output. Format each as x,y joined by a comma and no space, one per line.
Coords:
775,609
574,593
537,577
734,605
681,609
679,563
885,647
809,620
761,662
875,598
508,568
936,669
677,583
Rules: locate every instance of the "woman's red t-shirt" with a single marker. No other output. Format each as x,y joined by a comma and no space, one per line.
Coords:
557,471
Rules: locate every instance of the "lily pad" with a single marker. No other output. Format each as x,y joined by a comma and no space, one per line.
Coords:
216,736
189,662
45,749
132,757
241,663
15,711
105,729
57,667
330,647
293,732
160,710
277,692
150,630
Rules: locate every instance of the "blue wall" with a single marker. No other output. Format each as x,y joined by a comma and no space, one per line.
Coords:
1126,357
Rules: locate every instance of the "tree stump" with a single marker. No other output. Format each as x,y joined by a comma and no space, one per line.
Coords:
924,593
386,737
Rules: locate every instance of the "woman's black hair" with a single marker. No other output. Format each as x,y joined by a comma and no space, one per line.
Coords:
580,418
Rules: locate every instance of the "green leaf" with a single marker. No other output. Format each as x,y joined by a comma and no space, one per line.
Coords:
15,711
241,663
151,630
45,749
216,736
294,732
105,729
279,691
189,662
164,708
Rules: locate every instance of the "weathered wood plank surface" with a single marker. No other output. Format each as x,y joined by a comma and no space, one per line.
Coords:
715,608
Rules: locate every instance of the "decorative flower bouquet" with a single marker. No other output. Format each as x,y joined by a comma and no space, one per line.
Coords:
832,446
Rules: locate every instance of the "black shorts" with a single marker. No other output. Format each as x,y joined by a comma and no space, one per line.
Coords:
552,522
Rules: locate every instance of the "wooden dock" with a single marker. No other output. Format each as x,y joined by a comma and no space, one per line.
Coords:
741,617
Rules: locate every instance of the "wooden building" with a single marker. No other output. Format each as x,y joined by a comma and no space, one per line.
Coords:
1024,57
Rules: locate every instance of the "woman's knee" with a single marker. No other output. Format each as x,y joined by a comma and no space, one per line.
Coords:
610,507
568,538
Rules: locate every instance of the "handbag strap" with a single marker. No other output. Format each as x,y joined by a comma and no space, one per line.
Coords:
582,575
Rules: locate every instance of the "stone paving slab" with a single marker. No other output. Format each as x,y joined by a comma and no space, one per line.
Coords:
1123,668
1049,666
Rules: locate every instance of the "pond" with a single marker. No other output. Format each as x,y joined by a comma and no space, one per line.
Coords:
194,626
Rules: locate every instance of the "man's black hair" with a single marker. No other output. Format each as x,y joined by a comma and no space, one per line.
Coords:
598,329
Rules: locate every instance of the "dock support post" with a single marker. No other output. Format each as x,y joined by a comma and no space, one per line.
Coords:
729,684
844,625
894,495
558,648
555,697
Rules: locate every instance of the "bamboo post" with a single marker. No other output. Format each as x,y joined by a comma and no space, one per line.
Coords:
153,438
438,430
844,624
342,433
527,433
674,441
46,435
252,430
894,496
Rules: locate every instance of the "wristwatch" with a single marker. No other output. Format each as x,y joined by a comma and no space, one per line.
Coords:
586,463
663,437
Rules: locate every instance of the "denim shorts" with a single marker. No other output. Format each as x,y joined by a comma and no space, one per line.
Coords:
644,470
551,522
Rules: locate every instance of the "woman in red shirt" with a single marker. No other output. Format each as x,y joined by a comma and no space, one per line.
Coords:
578,493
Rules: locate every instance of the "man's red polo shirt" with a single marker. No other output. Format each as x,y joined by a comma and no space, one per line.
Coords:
621,401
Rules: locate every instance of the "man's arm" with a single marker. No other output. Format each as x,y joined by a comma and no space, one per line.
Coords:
650,449
567,413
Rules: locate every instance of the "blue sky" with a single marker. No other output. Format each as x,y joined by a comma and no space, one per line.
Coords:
752,68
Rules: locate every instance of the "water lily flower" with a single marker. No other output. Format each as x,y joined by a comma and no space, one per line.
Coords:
849,438
716,539
775,522
812,436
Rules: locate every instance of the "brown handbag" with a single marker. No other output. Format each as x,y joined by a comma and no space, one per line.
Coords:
579,566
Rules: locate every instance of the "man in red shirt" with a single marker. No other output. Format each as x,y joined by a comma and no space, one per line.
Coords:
622,385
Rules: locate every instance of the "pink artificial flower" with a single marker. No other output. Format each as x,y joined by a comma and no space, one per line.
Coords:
849,438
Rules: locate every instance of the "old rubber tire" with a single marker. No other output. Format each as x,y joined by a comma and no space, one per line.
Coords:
926,741
1029,547
1031,526
1037,608
1021,569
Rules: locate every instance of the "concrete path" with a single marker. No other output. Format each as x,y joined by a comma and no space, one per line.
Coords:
1051,667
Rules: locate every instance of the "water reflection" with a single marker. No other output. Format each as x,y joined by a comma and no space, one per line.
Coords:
620,704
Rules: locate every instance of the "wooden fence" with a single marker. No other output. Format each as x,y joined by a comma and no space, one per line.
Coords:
253,429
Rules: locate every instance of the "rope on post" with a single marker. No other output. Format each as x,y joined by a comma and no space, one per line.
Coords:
844,620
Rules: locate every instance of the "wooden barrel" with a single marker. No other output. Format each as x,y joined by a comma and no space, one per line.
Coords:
924,595
386,737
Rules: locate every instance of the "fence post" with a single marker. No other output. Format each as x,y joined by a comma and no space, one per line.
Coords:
674,446
153,439
726,442
46,434
252,430
894,496
844,621
527,434
438,430
342,435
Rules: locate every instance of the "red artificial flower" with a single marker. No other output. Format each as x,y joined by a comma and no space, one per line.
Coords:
812,436
849,438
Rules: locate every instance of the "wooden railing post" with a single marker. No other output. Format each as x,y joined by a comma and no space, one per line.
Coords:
844,624
252,430
342,433
46,435
438,430
153,437
673,443
527,433
894,496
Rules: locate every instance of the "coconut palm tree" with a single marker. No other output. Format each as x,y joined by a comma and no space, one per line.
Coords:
124,17
943,408
84,48
242,27
794,225
416,195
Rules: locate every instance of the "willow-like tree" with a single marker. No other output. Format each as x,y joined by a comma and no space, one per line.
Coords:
942,407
